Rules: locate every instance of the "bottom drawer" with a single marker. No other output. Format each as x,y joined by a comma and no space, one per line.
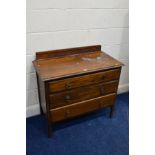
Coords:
80,108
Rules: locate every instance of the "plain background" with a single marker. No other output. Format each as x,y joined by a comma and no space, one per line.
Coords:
58,24
13,77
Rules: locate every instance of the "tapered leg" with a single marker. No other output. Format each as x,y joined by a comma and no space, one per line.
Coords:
49,129
39,96
112,111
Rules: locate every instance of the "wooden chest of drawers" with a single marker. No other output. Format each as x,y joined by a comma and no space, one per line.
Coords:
75,81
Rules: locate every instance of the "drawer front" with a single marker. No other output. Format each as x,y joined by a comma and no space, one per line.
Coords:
70,83
81,94
80,108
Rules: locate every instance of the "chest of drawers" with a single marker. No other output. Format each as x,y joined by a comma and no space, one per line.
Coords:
75,81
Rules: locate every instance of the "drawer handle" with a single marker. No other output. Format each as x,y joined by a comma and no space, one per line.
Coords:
68,85
68,97
67,112
102,90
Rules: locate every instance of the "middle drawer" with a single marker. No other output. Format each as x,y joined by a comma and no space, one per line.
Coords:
82,93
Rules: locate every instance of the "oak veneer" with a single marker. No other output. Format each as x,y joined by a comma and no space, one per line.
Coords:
75,81
81,94
79,108
79,81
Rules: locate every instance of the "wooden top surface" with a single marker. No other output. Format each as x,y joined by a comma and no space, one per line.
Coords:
77,63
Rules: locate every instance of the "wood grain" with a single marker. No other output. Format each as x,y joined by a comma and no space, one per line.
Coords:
56,68
70,83
68,51
82,93
81,108
75,81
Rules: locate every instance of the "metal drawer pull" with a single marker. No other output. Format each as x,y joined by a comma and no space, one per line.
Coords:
68,85
68,97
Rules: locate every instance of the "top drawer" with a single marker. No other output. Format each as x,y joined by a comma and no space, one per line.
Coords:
84,80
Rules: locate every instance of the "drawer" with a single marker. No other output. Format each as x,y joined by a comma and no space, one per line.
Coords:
82,93
84,80
80,108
